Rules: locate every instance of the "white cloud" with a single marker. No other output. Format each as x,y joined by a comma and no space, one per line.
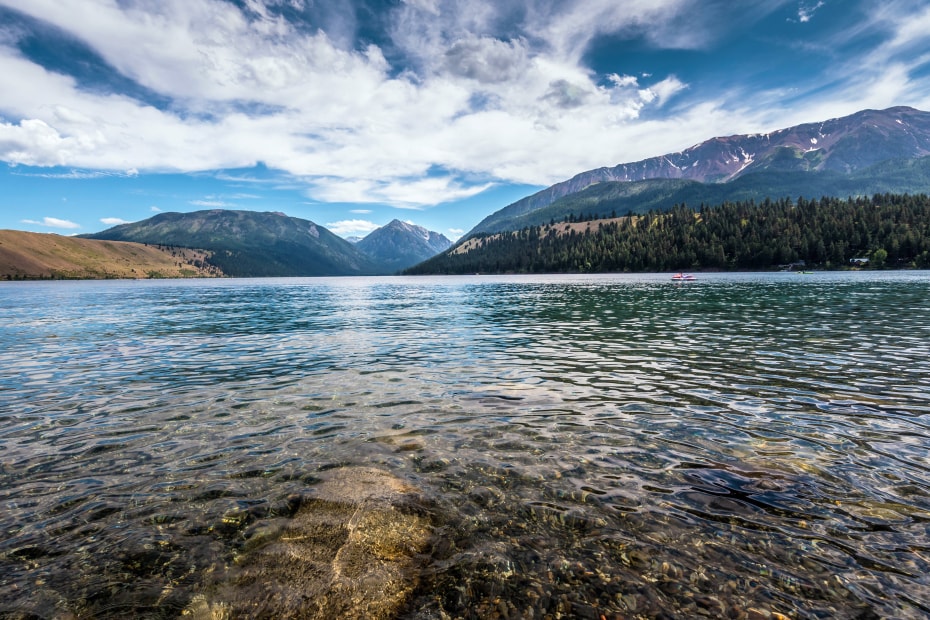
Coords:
53,222
806,11
154,209
352,227
623,81
878,77
213,204
494,92
360,211
34,142
75,174
429,6
407,194
113,221
664,90
486,59
337,119
911,29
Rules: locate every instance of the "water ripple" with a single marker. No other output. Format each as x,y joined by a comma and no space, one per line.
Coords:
611,443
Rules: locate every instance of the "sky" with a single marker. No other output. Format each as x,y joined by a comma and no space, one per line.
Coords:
352,113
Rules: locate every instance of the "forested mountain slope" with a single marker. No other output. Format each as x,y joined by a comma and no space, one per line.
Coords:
888,230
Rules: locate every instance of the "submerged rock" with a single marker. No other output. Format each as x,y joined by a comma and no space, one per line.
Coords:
353,550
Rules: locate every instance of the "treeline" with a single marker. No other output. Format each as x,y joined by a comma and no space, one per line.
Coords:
889,230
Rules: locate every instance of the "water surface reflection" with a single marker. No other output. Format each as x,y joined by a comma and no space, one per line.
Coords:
741,446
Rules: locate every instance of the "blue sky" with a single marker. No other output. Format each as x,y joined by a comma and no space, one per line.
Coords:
351,113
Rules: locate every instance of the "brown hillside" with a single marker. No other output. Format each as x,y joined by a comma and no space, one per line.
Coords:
25,255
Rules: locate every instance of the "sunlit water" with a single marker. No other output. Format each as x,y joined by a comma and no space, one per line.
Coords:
739,446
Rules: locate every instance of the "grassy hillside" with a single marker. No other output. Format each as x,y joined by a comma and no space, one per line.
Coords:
251,243
25,255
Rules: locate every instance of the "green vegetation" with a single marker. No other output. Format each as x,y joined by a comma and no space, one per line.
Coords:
773,179
250,243
892,230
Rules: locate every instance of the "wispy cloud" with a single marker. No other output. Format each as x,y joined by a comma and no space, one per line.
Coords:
53,222
222,201
911,29
113,221
806,11
244,178
213,204
406,194
78,175
74,174
154,209
352,227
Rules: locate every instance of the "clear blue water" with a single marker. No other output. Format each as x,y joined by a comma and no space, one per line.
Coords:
625,446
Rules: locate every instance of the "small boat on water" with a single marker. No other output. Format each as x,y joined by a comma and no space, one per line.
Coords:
683,276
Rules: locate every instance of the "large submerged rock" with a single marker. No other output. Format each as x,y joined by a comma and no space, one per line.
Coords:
353,550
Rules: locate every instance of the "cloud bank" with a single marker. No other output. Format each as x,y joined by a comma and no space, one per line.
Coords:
352,227
452,97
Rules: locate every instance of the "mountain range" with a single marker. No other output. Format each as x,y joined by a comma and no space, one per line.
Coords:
258,244
870,152
867,152
250,243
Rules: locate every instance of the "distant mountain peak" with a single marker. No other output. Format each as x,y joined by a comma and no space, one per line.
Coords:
413,229
398,245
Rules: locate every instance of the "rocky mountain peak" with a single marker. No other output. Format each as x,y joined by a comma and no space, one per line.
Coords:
399,245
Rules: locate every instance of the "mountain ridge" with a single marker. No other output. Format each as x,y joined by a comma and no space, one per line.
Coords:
621,198
269,244
250,243
842,145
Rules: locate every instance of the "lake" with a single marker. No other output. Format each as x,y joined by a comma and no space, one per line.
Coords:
617,446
